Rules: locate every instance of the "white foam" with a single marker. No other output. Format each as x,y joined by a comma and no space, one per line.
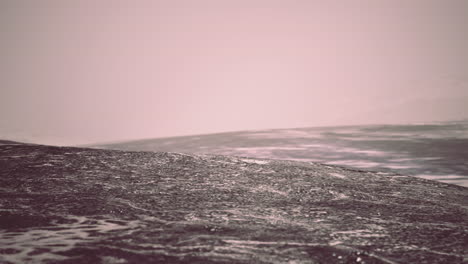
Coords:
355,163
338,175
399,166
255,161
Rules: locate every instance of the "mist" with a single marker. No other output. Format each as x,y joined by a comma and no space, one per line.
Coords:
77,72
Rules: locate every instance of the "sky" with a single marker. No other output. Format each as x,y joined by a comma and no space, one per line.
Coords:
77,72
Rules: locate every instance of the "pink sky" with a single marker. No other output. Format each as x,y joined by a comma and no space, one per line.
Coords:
81,71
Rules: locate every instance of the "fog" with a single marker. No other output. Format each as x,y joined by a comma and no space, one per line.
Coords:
76,72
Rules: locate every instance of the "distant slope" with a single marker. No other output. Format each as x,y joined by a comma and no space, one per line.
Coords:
434,150
77,205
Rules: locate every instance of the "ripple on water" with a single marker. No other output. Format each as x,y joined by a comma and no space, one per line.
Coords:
46,243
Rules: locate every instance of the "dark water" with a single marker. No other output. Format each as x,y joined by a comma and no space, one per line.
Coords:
437,151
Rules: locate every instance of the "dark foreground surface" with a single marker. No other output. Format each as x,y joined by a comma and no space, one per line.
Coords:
73,205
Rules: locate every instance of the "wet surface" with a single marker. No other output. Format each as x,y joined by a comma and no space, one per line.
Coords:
45,243
432,151
76,205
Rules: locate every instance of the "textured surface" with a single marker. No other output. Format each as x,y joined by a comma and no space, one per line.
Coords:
437,151
75,205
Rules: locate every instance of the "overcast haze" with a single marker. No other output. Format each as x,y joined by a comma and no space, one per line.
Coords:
75,72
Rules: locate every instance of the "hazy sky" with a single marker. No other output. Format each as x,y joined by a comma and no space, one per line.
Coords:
86,71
